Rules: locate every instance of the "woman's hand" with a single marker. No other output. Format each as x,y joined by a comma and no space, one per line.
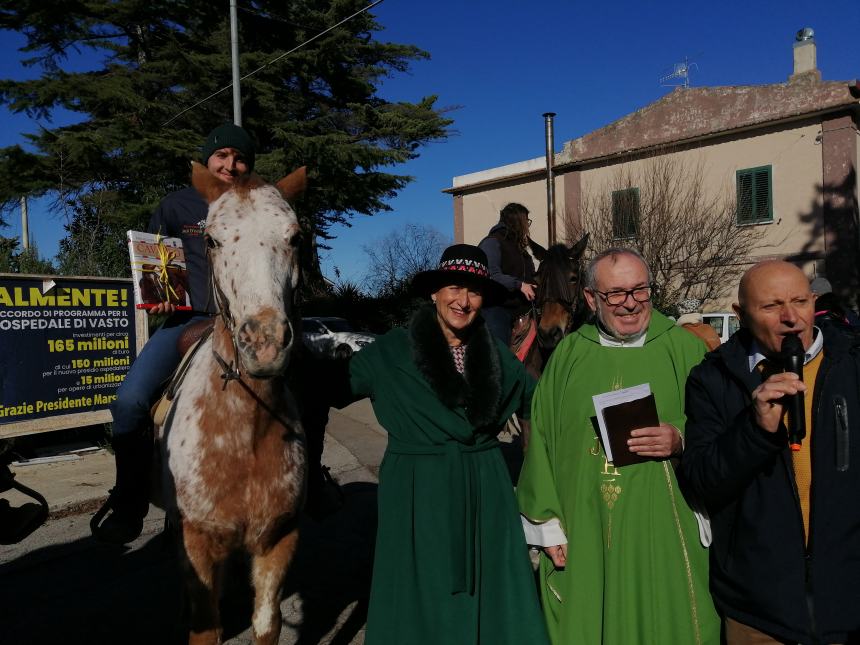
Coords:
528,290
558,555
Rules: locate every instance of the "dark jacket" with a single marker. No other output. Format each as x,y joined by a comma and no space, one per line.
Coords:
183,214
762,573
509,265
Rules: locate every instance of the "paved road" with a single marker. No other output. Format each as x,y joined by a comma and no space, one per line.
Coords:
60,586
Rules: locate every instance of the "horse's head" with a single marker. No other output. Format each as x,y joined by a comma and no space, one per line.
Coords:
252,235
558,288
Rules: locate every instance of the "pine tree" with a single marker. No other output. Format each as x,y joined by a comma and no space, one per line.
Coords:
318,107
14,259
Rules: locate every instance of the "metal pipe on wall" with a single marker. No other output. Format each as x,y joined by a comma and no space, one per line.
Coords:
550,183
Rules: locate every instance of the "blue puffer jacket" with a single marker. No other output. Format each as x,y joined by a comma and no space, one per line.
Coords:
762,573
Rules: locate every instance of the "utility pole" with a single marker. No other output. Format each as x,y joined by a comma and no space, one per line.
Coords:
550,181
25,224
234,54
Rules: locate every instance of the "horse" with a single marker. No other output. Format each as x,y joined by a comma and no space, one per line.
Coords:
233,450
556,309
555,312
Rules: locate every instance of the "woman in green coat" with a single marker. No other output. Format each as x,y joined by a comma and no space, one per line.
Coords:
451,564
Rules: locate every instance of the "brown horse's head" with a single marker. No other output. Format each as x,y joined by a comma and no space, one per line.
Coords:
558,289
252,235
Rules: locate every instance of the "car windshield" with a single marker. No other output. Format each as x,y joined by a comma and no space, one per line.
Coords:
311,327
734,325
337,324
716,322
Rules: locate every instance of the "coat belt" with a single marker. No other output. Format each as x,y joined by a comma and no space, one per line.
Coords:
462,503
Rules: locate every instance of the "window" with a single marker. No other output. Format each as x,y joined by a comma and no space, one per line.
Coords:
734,325
755,195
716,322
311,327
625,213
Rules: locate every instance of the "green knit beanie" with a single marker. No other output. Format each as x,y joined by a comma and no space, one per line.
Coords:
230,136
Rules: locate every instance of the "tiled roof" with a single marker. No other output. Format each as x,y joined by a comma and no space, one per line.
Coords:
696,112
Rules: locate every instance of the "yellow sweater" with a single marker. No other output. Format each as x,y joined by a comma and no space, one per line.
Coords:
802,459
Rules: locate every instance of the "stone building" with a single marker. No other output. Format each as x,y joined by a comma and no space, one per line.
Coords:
788,151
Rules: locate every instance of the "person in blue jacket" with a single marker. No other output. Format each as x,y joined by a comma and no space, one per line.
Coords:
228,153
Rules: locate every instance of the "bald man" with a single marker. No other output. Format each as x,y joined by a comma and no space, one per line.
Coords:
785,558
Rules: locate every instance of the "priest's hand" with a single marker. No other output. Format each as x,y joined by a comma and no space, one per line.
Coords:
558,555
657,441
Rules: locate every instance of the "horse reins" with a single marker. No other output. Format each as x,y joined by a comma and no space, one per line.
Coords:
567,299
229,373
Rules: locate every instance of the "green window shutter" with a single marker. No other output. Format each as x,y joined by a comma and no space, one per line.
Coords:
762,196
755,195
625,213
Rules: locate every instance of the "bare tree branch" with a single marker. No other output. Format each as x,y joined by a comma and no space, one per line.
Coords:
687,233
395,258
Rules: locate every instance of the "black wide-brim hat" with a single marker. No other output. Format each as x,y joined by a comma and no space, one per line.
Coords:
464,265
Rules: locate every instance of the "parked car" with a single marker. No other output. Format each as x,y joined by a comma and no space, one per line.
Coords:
330,337
725,323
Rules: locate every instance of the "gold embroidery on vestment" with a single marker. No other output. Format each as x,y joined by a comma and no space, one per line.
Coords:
610,493
606,468
694,612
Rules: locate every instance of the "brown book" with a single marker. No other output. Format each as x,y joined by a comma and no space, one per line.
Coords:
621,419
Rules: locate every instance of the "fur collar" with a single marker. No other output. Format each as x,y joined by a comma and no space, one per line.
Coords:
479,388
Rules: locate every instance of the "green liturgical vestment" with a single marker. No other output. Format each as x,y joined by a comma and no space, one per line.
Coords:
637,573
451,564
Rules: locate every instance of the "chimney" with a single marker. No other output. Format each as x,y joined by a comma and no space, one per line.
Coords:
804,56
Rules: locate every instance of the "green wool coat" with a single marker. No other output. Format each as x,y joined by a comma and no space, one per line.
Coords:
636,569
451,564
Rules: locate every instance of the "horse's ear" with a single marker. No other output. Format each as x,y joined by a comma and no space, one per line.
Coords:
207,184
537,250
293,184
578,249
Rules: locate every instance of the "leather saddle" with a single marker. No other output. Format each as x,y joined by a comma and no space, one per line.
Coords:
189,342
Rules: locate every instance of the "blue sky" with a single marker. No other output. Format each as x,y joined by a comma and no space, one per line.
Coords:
503,63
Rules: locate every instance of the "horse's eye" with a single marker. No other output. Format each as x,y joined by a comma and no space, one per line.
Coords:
296,240
211,242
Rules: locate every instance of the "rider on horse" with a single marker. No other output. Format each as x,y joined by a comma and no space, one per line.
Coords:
510,265
228,153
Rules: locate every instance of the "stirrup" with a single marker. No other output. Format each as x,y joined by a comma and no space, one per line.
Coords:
96,519
118,528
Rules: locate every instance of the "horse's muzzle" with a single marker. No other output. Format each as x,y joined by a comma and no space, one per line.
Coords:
264,343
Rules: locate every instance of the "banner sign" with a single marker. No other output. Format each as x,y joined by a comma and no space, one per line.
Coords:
65,344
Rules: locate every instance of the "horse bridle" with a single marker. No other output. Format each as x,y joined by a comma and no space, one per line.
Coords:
229,373
569,299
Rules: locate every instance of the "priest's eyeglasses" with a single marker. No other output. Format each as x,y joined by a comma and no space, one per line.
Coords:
615,298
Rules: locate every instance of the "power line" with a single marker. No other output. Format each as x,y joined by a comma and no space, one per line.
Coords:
274,60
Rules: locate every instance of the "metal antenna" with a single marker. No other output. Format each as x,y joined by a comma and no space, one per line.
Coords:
679,71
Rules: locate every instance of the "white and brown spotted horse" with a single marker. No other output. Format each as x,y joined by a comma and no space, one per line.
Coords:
232,443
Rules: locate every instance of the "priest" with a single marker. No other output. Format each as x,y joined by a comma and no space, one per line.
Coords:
623,559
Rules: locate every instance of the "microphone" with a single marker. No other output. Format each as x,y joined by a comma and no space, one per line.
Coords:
792,354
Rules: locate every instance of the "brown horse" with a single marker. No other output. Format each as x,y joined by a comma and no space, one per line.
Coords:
233,445
556,307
